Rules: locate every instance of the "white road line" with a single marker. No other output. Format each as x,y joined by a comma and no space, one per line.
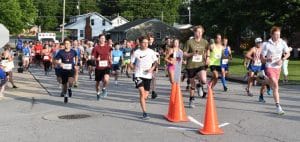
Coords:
195,121
183,129
224,124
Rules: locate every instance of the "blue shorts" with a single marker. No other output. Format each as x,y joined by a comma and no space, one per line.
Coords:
254,69
225,66
115,67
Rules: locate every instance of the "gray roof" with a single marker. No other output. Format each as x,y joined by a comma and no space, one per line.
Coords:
129,25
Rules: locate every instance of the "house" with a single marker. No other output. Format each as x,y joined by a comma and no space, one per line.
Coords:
133,30
118,21
88,25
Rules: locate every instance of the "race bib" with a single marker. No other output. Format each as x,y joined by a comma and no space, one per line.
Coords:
218,56
116,59
32,54
89,57
27,54
103,63
197,58
257,63
67,66
127,54
46,57
225,61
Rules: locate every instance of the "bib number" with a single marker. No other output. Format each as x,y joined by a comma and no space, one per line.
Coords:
257,63
67,66
225,61
127,54
217,56
116,59
103,63
197,58
46,57
89,57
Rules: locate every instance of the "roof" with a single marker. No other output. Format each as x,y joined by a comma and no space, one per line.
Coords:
115,17
129,25
85,16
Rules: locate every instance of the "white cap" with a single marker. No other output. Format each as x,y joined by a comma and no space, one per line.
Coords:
258,40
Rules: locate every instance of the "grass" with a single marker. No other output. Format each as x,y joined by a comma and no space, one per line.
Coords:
237,69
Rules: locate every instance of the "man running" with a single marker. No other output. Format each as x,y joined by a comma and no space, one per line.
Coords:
38,53
77,66
154,47
26,56
275,50
226,56
117,58
255,64
69,59
197,61
46,54
144,62
90,62
102,54
126,56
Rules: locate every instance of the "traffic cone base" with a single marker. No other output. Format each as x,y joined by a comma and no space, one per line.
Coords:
211,125
176,111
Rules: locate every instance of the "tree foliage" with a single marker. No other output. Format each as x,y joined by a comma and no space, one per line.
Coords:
11,15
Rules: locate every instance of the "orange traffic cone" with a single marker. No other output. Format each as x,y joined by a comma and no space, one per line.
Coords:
176,107
211,125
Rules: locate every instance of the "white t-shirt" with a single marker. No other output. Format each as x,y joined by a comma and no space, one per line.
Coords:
143,60
271,50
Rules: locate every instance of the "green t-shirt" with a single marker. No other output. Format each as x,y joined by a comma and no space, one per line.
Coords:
193,46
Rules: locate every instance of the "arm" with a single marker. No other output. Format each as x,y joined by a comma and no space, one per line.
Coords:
230,53
207,54
186,50
249,53
168,53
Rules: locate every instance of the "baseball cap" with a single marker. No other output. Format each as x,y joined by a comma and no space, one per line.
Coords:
258,40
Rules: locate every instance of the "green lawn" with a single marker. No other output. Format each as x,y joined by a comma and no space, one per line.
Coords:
237,69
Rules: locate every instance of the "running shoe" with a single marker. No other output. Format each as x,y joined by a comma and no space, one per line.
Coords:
204,94
70,92
191,104
104,93
154,95
66,99
279,110
15,87
62,94
145,116
75,85
261,99
269,91
98,96
199,90
225,89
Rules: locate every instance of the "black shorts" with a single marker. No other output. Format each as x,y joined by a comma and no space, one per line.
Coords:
215,68
38,57
115,67
193,72
143,82
99,74
58,72
65,74
90,63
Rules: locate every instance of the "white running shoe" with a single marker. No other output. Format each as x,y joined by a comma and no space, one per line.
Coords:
279,110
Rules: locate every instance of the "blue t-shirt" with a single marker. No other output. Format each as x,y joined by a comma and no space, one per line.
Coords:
19,44
116,56
66,57
26,51
126,53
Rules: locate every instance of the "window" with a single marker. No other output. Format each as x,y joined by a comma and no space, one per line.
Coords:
81,33
158,35
103,23
92,22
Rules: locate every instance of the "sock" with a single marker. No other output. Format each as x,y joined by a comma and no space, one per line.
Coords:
192,98
268,87
277,104
223,81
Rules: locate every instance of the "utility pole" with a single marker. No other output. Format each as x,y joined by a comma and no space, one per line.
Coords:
162,16
63,23
78,7
189,9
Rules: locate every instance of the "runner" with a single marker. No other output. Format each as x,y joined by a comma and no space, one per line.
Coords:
215,53
46,54
272,53
102,55
154,47
255,64
173,56
285,64
37,49
197,61
126,55
90,61
117,58
26,56
226,56
77,66
67,59
8,62
3,80
57,67
144,62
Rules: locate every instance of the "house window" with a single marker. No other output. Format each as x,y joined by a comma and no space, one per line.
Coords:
158,35
103,23
81,33
92,22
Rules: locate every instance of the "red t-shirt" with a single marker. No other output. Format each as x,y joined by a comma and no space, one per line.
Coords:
104,52
38,49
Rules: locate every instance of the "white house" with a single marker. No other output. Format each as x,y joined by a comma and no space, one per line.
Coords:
88,26
118,21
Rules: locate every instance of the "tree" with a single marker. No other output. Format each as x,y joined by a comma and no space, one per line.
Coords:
11,15
29,12
48,13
